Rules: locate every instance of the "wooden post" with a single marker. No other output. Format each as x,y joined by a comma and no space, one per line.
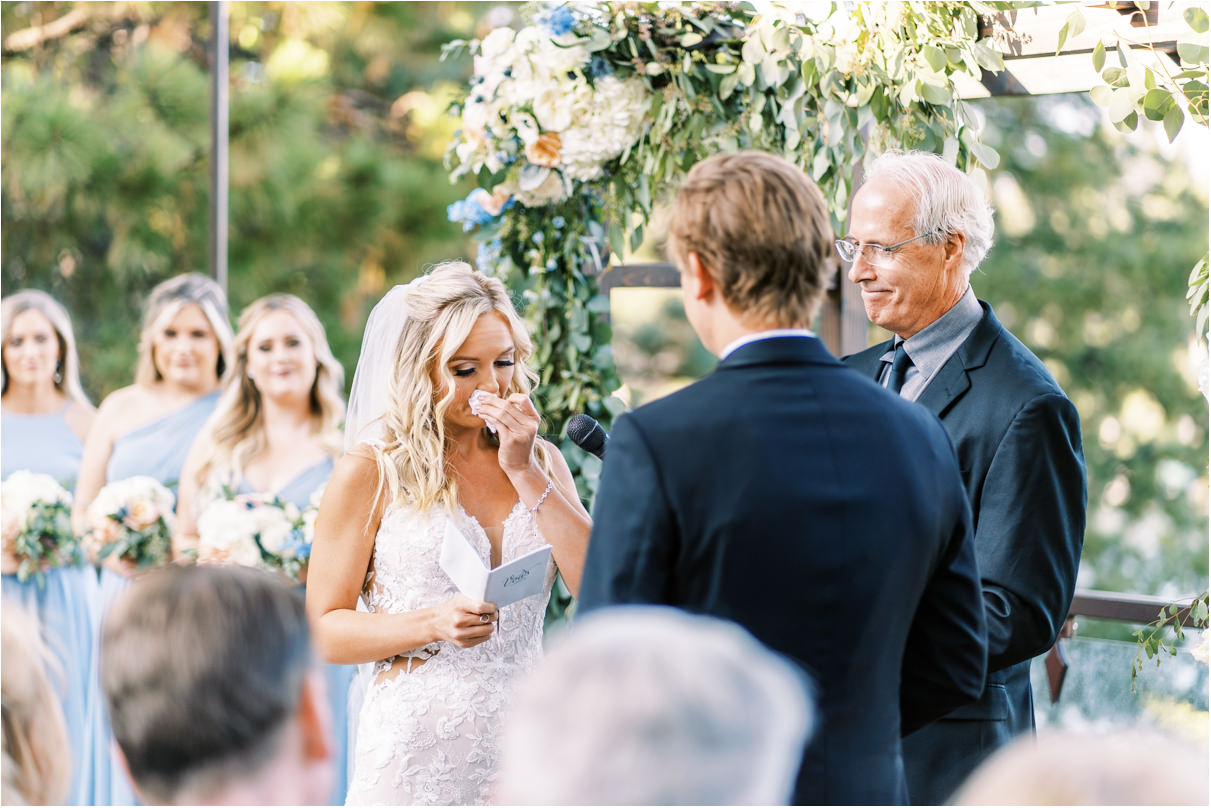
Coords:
219,47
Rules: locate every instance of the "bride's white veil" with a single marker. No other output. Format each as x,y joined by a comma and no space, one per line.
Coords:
368,397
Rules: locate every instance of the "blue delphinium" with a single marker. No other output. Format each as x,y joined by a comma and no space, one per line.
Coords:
488,256
469,212
598,67
559,21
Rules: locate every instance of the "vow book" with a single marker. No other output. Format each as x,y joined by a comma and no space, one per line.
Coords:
508,583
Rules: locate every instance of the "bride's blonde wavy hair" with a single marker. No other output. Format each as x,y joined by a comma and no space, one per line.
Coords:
442,308
237,427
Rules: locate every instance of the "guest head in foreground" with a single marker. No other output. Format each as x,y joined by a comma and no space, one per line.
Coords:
1135,766
213,689
37,766
657,707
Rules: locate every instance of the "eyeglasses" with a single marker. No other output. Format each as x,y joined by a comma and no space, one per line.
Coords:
875,254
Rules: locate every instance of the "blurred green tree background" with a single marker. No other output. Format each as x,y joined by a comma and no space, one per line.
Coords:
337,135
338,191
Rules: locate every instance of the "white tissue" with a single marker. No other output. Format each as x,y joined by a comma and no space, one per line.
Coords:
477,398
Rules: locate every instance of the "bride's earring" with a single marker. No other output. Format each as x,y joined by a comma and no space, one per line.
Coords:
58,377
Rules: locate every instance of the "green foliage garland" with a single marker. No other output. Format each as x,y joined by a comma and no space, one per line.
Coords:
824,92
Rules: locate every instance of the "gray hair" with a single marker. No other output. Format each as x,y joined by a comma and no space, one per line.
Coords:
642,705
948,200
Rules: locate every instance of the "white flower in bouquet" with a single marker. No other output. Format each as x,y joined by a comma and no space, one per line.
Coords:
36,520
133,519
19,495
275,524
227,533
610,122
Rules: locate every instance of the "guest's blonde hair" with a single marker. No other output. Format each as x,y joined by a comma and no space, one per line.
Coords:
168,298
442,308
36,768
237,427
67,372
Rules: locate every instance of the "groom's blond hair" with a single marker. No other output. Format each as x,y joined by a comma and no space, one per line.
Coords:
761,229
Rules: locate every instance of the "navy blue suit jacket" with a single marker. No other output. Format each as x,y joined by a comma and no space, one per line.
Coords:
1018,440
826,516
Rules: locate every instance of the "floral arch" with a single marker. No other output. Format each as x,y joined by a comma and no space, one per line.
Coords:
575,125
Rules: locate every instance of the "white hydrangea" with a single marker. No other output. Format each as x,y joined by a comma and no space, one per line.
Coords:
530,85
20,492
611,121
227,534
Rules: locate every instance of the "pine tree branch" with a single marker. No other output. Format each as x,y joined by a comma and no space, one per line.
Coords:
28,38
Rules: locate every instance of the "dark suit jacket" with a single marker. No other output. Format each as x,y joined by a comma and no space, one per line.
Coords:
1018,439
826,516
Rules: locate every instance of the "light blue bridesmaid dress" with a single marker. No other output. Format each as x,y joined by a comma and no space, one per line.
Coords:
45,444
338,677
156,450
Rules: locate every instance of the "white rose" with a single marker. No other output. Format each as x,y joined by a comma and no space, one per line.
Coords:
553,109
496,43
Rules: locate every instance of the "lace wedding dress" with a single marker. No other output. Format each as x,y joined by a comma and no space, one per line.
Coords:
429,736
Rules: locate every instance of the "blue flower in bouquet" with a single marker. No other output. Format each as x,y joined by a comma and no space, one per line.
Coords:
489,256
598,67
558,21
469,212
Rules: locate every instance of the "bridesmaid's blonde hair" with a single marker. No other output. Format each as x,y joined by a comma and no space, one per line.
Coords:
67,372
168,298
442,309
237,427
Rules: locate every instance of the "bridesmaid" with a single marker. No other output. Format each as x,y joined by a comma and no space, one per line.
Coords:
45,418
147,429
275,430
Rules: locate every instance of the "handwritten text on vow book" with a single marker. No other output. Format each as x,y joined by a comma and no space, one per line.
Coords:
506,584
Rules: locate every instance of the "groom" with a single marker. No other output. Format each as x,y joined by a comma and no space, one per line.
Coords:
792,496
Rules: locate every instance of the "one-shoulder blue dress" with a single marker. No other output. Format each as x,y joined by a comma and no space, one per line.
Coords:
157,450
338,677
64,604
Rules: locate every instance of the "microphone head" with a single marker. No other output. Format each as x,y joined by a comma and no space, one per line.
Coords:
586,433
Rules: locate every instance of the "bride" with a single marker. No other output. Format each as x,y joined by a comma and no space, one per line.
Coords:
424,453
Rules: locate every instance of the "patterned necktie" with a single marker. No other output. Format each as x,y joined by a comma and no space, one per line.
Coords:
899,366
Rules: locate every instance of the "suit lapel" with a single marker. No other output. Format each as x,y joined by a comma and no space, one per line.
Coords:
952,380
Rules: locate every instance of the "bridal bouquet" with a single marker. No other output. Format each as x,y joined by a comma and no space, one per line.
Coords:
131,519
544,112
37,524
262,532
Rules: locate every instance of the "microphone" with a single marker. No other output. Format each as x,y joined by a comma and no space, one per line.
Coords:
586,433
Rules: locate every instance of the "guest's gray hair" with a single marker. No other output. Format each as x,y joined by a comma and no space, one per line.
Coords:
947,200
641,705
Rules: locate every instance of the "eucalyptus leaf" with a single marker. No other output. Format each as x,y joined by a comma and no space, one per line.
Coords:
1194,53
1196,18
934,57
1173,121
1101,94
1099,56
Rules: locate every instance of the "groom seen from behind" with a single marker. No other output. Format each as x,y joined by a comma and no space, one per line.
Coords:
792,496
